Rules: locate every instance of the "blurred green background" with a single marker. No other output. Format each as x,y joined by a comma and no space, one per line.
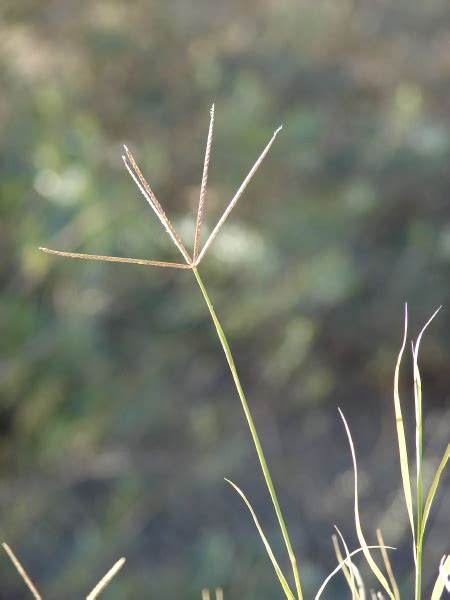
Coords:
118,416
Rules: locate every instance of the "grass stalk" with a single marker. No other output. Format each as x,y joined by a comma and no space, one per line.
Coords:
254,433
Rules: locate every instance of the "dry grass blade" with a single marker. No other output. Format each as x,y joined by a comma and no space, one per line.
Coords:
403,451
443,578
349,573
201,202
237,195
433,488
360,594
278,571
219,594
339,567
117,259
387,564
15,561
106,579
148,194
368,556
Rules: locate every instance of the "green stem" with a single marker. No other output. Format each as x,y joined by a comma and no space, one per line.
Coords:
257,443
419,482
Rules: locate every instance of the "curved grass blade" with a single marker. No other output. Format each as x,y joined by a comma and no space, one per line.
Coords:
401,438
368,556
419,458
106,579
18,565
117,259
442,578
339,567
284,584
349,572
433,488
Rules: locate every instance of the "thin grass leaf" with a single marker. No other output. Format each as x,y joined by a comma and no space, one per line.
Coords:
117,259
387,564
433,488
203,186
350,575
148,194
284,584
419,458
105,580
419,422
339,567
345,570
19,568
237,195
401,438
442,578
368,556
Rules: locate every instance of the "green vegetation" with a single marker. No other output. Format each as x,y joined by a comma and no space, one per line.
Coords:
117,417
422,510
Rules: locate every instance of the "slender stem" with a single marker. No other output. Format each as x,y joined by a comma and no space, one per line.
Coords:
419,464
257,443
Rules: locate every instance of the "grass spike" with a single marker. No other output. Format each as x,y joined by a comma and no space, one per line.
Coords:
146,191
117,259
204,183
237,195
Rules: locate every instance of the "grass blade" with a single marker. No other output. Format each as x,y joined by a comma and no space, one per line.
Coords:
349,573
433,488
104,581
419,457
18,565
276,566
387,564
368,556
401,438
339,567
442,578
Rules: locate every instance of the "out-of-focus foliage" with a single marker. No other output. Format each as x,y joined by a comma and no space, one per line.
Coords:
118,418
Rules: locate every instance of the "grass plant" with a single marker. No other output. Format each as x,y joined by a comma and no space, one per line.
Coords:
417,510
